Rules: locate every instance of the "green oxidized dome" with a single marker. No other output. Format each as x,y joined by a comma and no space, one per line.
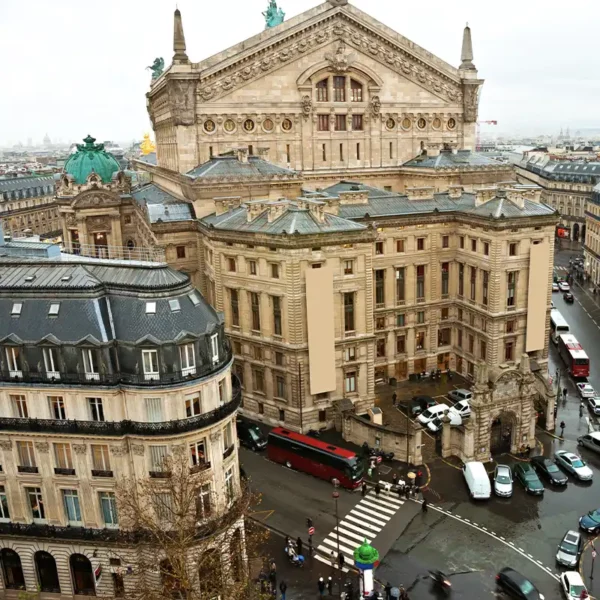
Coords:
91,158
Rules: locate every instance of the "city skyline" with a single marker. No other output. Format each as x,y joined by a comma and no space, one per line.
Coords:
96,84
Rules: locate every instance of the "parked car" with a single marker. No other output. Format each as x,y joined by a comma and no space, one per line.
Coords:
569,549
517,586
594,404
548,468
250,435
568,298
574,465
563,286
420,403
463,408
572,585
554,286
435,425
586,390
477,480
525,473
552,305
591,521
503,481
460,394
591,441
432,412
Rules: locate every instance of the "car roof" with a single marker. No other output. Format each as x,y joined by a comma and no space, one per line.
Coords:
569,455
502,467
525,466
595,435
514,575
422,399
574,577
572,536
462,390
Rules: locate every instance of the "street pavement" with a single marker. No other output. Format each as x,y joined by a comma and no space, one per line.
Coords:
469,541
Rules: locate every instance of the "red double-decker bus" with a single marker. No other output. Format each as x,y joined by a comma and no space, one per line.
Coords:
574,355
304,453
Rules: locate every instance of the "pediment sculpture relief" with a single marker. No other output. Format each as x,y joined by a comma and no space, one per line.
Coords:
340,61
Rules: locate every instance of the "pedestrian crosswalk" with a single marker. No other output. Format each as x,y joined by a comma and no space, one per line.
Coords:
362,523
565,269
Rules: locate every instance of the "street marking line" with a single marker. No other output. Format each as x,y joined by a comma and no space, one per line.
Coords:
362,523
351,534
343,540
388,501
378,507
328,562
381,521
335,546
355,528
370,512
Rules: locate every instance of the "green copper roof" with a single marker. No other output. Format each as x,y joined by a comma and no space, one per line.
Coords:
91,158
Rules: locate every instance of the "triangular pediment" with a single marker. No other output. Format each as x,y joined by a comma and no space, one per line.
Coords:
316,29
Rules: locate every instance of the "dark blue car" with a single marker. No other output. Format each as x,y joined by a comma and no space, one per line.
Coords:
591,521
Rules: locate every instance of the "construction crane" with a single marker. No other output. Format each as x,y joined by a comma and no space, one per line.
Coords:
478,146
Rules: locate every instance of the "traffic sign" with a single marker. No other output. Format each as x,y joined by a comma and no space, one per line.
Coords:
379,459
311,531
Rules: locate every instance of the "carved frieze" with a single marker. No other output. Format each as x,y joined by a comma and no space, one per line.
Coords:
42,446
375,107
340,61
471,101
6,445
79,448
306,106
118,450
182,100
138,449
98,224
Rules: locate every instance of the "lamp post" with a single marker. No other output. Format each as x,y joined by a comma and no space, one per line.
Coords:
335,495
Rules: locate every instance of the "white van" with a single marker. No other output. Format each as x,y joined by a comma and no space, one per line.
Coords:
432,412
478,481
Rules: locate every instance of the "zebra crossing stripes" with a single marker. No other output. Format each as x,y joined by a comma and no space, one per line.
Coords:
363,522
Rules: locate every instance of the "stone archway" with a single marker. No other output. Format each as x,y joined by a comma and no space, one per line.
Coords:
503,432
47,573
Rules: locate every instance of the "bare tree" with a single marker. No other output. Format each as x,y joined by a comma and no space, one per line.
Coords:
189,544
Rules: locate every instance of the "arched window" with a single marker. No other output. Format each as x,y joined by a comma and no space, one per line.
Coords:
47,574
356,90
12,570
82,575
322,91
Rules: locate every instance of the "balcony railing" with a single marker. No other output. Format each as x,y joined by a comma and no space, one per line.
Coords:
111,379
229,451
101,473
121,428
22,469
203,466
61,471
116,252
159,474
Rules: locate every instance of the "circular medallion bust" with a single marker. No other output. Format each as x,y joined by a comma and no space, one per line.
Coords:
451,123
390,123
406,123
268,125
209,126
421,123
248,125
229,126
286,125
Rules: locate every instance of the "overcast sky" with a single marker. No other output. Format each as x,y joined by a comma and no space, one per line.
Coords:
73,67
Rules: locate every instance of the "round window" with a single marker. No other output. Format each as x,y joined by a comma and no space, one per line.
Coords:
286,125
406,123
209,126
268,125
248,125
451,123
390,123
421,123
229,126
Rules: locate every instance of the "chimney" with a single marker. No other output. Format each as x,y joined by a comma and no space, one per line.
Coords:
242,155
422,193
226,203
179,55
455,192
263,153
483,195
466,56
433,149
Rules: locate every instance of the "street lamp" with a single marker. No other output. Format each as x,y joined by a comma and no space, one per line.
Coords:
335,495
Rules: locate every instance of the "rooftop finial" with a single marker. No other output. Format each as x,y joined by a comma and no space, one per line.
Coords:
179,39
273,15
466,55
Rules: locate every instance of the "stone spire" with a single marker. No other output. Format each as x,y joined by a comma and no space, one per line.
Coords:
466,56
179,39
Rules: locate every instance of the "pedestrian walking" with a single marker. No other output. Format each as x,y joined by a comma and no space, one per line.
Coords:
341,560
273,579
330,585
388,591
370,472
377,489
403,593
321,586
562,429
395,479
424,505
299,546
364,489
581,407
394,398
283,589
564,393
400,492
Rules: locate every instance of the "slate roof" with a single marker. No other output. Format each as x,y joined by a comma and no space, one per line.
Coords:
293,220
232,168
161,205
148,158
20,185
447,159
577,172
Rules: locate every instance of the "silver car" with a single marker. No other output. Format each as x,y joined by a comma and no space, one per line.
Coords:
569,550
591,441
503,486
574,465
594,404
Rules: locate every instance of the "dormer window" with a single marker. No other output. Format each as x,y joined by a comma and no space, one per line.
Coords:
356,91
174,305
51,363
150,364
54,309
150,308
194,298
17,307
187,358
13,358
322,91
214,348
90,364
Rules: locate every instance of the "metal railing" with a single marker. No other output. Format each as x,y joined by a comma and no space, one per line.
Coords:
122,428
155,254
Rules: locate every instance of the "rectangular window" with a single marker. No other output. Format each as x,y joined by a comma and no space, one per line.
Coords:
4,512
486,280
445,279
357,123
280,390
380,323
461,241
277,329
357,91
339,88
400,320
444,314
26,454
510,327
197,453
380,287
348,267
444,337
340,122
259,380
193,406
72,508
483,350
255,309
279,358
187,359
459,342
158,457
36,503
461,279
231,266
341,152
420,283
400,344
214,348
63,456
100,457
400,288
357,151
13,358
229,485
378,248
323,123
288,153
421,243
350,382
180,251
380,348
349,312
509,350
204,506
51,363
252,267
258,353
261,408
421,317
420,340
445,241
108,506
19,406
350,353
222,391
322,91
473,245
150,308
17,307
235,308
473,282
90,366
399,245
150,363
96,409
117,578
391,156
486,248
512,249
154,410
471,344
511,280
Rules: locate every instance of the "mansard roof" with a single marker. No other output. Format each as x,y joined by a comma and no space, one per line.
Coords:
161,205
454,160
232,168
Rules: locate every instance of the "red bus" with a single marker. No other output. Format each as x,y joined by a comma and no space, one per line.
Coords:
574,355
304,453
